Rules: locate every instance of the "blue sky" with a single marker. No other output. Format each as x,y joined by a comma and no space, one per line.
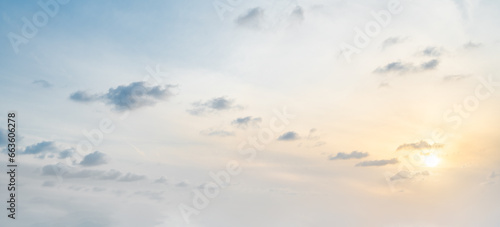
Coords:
273,113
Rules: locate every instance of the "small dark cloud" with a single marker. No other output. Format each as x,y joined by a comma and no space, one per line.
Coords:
42,83
395,67
213,105
161,180
378,162
129,177
252,19
289,136
431,52
400,67
217,132
392,41
246,121
83,96
136,95
453,78
432,64
94,159
297,15
42,147
47,149
183,184
127,97
408,175
472,45
419,145
346,156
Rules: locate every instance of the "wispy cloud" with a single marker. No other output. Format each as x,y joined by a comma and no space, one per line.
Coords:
378,162
346,156
213,105
252,19
42,83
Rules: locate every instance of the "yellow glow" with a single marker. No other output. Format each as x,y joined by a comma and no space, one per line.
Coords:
432,160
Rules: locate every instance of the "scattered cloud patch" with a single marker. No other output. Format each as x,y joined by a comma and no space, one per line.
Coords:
392,41
127,97
94,159
472,45
419,145
252,19
408,175
453,78
213,105
289,136
346,156
378,162
400,67
297,15
395,67
431,52
432,64
130,177
217,132
42,83
244,122
83,96
161,180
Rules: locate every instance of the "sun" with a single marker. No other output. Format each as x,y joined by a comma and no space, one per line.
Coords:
432,160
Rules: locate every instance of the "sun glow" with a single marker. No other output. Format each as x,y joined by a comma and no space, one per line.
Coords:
432,160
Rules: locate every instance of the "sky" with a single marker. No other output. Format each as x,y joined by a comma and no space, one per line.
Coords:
252,113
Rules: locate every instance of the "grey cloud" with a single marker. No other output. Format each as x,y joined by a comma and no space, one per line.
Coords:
297,15
183,184
432,64
431,52
251,19
42,83
161,180
127,97
471,45
452,78
136,95
420,145
346,156
94,159
246,121
392,41
217,132
213,105
42,147
83,96
400,67
129,177
289,136
394,67
407,175
378,162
